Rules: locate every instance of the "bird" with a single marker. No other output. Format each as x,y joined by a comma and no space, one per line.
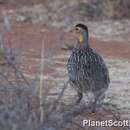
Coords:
87,71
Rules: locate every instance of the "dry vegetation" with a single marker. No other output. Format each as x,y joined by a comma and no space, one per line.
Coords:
24,104
92,9
21,106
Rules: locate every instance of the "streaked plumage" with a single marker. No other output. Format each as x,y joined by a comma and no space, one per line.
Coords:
87,72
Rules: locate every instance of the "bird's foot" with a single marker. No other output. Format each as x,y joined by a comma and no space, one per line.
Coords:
93,113
93,108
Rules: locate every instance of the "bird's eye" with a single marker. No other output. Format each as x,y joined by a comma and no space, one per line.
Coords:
77,29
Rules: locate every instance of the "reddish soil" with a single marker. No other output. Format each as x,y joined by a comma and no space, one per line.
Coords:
27,40
112,49
27,37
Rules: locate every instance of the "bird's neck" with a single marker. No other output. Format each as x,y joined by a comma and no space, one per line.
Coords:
85,42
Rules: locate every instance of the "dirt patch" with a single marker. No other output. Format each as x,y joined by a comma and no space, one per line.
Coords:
29,37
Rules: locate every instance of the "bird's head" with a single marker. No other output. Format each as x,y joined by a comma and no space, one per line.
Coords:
80,32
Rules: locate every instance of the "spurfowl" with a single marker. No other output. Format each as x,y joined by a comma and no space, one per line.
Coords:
87,71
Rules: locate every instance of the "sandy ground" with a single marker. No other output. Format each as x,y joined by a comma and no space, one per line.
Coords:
37,24
26,39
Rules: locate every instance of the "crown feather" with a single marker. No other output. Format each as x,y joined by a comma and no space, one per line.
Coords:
82,26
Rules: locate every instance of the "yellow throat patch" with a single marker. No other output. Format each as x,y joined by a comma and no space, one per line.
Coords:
81,39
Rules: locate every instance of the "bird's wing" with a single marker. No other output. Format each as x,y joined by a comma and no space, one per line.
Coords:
96,69
88,69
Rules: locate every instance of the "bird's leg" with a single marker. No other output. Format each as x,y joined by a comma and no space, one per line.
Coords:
94,106
80,95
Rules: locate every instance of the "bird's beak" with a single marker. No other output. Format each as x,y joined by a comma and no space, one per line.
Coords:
72,30
72,33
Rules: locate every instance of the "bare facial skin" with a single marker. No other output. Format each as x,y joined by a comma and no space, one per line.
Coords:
76,32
